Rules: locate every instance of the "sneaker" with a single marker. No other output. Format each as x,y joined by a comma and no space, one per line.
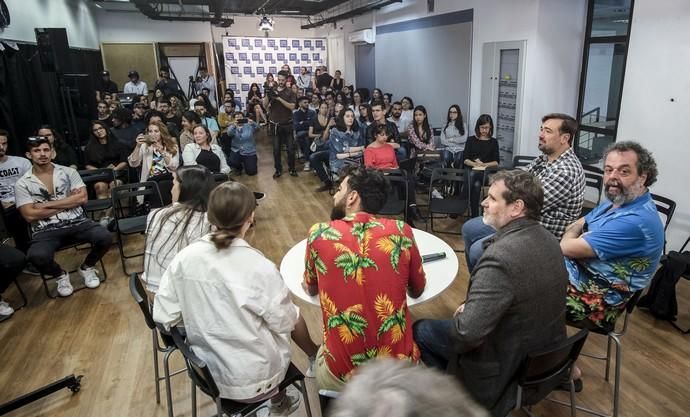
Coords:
287,406
311,369
293,172
306,167
259,196
90,277
31,270
277,174
5,309
64,287
104,221
436,194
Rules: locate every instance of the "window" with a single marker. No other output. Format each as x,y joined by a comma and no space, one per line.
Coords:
601,81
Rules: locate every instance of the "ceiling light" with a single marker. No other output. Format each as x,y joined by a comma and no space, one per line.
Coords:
265,23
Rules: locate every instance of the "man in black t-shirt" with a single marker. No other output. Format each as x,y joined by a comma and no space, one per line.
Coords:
324,79
168,111
166,84
105,85
282,102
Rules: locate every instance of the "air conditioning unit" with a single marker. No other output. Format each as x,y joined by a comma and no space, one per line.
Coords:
362,36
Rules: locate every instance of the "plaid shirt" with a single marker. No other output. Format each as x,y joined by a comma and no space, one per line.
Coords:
564,190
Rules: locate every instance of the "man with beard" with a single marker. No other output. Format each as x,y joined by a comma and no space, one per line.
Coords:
362,267
282,102
613,251
561,176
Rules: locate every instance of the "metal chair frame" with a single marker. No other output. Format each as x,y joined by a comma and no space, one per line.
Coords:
90,178
667,207
448,177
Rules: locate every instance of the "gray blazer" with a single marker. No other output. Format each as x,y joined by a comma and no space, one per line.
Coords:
515,305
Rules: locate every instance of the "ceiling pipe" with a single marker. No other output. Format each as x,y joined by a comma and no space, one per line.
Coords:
352,13
215,7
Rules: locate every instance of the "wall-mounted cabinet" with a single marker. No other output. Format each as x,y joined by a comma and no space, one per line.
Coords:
502,86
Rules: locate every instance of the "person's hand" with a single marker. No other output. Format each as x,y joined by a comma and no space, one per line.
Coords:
305,287
111,166
140,140
459,310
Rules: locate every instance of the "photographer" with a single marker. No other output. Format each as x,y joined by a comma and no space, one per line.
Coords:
206,80
165,83
243,144
282,102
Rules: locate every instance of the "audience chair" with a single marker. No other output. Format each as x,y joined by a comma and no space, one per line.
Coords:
90,178
450,182
397,196
594,180
201,377
520,161
544,371
4,240
614,338
326,399
667,207
128,220
136,288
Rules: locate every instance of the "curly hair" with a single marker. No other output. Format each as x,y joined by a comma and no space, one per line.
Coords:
645,161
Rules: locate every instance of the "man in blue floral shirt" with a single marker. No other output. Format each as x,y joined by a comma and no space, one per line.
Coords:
613,251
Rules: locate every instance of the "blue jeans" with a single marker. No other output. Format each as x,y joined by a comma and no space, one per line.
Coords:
431,337
452,160
401,153
318,161
474,233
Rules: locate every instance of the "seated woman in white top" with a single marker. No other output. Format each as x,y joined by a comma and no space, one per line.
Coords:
453,138
203,152
172,228
237,311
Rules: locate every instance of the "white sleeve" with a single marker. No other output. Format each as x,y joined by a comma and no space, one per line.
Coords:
74,179
271,301
188,155
166,305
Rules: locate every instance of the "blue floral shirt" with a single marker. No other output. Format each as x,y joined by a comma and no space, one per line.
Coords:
628,243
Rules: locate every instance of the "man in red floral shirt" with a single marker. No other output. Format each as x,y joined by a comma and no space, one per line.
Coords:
362,267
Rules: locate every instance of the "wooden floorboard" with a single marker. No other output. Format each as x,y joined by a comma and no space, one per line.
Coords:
101,334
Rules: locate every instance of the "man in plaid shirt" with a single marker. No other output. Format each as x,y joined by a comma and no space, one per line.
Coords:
561,176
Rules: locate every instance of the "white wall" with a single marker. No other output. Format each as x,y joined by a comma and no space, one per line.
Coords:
553,29
656,72
75,15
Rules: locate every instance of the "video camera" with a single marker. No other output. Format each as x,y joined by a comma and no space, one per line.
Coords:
271,93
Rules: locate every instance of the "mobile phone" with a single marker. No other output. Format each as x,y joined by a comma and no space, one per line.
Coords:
242,121
148,139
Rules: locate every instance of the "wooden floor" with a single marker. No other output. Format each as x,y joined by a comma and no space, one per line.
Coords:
101,334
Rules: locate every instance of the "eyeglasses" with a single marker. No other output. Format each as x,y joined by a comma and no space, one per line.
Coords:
98,129
452,111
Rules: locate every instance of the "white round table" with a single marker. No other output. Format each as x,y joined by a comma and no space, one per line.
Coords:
439,274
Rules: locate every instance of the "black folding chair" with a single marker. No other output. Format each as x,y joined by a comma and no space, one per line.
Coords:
130,219
201,377
544,371
667,207
594,180
90,178
397,194
450,182
136,288
614,338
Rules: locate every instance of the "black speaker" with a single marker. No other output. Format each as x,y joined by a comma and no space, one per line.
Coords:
53,49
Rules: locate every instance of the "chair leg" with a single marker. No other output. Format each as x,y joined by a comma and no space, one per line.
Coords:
608,357
25,301
45,287
219,409
617,376
193,398
155,366
573,407
303,387
168,389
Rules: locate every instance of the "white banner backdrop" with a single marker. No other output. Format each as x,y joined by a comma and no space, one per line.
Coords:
248,59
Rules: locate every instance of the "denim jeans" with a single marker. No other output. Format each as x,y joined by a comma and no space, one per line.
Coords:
452,160
246,162
303,142
431,337
475,180
474,233
318,161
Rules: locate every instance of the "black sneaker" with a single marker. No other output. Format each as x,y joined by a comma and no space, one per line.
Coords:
31,270
259,196
293,172
565,385
277,174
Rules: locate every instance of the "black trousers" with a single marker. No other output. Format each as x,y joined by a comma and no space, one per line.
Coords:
12,262
45,244
17,228
165,184
283,136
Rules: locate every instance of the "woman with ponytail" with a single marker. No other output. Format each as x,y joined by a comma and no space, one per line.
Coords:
235,305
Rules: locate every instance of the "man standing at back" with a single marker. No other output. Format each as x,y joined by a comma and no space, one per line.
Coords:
561,176
514,303
282,102
362,267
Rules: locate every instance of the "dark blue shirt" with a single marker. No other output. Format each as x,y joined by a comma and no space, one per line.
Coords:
301,120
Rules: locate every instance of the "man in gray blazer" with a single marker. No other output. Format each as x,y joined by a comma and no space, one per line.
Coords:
514,305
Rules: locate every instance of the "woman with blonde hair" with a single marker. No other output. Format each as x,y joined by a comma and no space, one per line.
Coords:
157,154
221,282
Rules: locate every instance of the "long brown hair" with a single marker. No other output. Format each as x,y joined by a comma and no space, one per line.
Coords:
167,140
229,207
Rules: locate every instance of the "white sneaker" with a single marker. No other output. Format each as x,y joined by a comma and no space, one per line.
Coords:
306,167
5,309
90,276
64,287
311,369
287,406
436,194
105,221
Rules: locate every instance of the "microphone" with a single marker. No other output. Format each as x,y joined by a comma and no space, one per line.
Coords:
433,257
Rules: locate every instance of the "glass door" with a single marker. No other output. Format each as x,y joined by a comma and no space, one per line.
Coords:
509,60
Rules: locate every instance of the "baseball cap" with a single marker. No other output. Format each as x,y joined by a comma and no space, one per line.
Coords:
132,73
